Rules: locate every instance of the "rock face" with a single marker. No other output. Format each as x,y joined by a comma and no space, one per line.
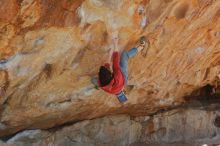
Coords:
49,51
182,127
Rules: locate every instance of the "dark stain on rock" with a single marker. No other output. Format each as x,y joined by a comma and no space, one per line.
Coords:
48,70
206,97
217,122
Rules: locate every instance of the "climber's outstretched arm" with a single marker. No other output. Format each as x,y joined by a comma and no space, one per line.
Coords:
115,38
114,49
115,43
110,55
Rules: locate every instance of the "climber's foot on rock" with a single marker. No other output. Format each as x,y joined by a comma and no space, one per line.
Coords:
143,46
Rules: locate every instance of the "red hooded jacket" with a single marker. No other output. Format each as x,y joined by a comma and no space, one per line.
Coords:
117,83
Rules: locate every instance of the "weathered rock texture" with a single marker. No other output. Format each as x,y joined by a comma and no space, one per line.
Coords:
51,48
174,128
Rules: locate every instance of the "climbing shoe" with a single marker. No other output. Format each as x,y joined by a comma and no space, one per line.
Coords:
122,97
145,43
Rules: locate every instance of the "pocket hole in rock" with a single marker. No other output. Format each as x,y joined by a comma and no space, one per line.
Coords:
217,122
180,11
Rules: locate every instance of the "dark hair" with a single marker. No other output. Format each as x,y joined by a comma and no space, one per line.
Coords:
105,76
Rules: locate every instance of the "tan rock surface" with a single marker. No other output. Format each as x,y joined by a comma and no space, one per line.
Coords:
182,127
53,48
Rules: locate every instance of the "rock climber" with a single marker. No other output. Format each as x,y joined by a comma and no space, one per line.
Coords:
114,82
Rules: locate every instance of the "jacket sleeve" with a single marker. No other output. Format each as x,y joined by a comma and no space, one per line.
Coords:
116,60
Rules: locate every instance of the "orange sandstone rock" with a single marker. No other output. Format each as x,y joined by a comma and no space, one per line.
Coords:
53,48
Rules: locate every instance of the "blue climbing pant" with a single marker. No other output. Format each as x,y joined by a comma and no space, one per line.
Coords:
124,62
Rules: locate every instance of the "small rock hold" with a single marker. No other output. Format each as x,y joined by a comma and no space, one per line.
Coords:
217,34
39,41
2,63
2,126
199,50
140,9
143,21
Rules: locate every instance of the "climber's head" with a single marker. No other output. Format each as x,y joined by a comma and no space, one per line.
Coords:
105,76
